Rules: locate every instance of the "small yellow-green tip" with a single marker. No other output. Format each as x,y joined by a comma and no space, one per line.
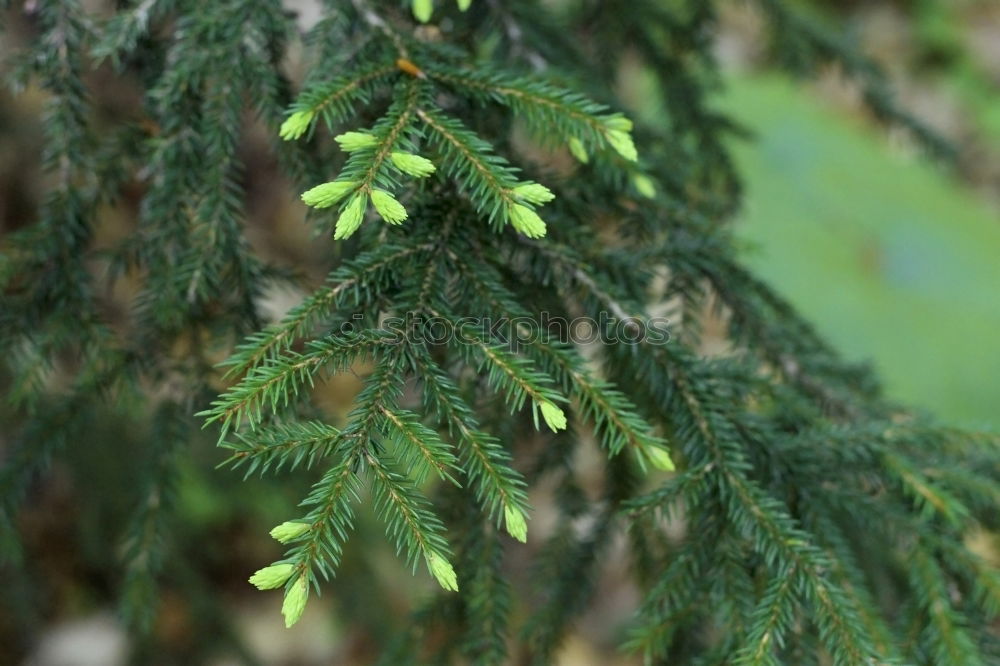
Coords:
271,577
527,221
295,601
327,194
517,526
644,185
534,193
351,217
443,572
295,125
422,10
554,417
351,141
388,207
414,165
578,150
289,530
622,142
660,458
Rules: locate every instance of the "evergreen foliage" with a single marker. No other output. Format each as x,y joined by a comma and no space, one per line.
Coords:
808,520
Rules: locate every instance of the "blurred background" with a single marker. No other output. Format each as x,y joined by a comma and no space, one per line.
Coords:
896,261
895,258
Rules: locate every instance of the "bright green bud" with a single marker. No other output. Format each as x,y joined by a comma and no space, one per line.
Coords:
527,221
295,600
414,165
463,5
442,570
351,217
516,525
554,417
422,10
534,193
327,194
289,530
618,122
660,458
622,142
295,125
391,210
578,151
271,577
351,141
644,185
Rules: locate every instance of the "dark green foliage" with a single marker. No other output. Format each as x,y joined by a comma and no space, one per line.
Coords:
808,521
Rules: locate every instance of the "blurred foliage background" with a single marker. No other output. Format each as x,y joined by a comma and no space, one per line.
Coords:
895,258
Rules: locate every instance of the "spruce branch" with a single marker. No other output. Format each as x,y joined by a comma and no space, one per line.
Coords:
545,107
615,420
369,163
499,487
946,638
144,546
774,533
772,618
810,519
330,517
410,523
333,101
277,381
421,450
487,594
487,178
352,284
508,374
287,445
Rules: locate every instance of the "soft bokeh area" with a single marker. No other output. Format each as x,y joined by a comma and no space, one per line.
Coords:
893,255
894,258
894,261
